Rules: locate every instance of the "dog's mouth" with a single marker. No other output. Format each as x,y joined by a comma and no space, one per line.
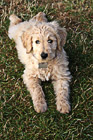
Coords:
44,62
44,58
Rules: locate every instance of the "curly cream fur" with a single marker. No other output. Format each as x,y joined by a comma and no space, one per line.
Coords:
25,34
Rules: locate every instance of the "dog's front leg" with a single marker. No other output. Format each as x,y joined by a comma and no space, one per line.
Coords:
61,88
36,92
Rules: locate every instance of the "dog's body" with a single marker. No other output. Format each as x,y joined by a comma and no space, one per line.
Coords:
40,48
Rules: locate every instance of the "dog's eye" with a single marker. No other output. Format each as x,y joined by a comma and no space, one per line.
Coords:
37,42
50,41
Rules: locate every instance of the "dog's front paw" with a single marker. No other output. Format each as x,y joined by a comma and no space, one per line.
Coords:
63,107
40,107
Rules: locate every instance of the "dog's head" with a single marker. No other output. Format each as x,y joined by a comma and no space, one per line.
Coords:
43,40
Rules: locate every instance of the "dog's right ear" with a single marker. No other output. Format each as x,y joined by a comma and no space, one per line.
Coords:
27,41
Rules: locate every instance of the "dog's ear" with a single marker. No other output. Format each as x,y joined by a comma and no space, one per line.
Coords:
27,41
61,34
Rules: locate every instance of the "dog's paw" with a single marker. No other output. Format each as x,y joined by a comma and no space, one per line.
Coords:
63,107
39,107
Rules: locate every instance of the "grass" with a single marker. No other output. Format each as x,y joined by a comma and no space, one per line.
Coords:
18,120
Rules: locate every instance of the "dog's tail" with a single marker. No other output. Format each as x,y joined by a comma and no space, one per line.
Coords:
14,20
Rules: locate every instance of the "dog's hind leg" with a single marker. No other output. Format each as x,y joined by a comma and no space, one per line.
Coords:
41,17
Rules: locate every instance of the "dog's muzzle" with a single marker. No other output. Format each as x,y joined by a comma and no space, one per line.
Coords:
44,55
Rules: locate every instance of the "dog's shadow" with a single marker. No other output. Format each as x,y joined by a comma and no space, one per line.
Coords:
49,92
79,63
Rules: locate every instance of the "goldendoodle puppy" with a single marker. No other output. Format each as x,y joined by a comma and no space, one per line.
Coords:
40,48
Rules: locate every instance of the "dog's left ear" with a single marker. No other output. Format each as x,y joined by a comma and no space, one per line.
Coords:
27,41
61,34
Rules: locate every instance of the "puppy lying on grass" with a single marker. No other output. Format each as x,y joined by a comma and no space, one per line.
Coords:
40,48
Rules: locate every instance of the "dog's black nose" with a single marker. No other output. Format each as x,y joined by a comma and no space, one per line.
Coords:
44,55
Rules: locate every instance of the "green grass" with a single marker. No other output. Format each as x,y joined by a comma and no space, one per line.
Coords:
18,120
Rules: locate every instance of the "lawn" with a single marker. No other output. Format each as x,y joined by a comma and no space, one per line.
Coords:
18,120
